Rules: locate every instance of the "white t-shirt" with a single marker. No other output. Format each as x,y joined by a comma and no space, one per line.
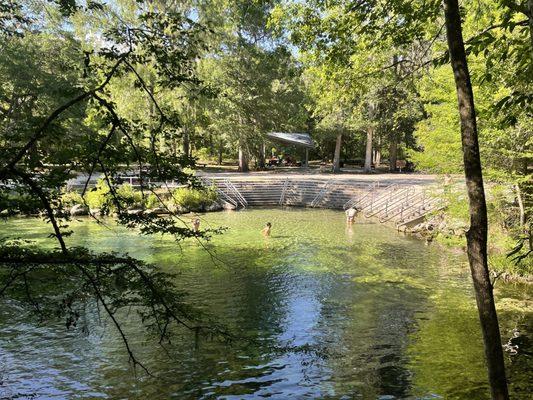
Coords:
351,212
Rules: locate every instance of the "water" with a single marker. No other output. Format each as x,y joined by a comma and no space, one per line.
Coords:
334,313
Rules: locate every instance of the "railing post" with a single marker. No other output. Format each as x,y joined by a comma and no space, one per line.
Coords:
282,197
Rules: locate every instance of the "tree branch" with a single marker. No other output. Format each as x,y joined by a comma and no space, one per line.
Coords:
41,132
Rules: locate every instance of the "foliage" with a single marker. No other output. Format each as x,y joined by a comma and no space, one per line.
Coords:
194,199
98,197
153,201
112,281
128,196
66,69
71,198
137,85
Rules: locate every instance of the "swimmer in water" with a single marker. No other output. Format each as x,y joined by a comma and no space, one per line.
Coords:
266,229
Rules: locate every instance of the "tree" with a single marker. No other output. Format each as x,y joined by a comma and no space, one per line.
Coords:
337,30
64,114
254,75
477,233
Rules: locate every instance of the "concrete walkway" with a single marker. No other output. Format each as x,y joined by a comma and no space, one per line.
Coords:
300,174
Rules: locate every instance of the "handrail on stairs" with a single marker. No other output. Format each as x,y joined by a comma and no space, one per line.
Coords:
390,199
240,198
356,200
403,206
383,196
222,193
284,191
320,195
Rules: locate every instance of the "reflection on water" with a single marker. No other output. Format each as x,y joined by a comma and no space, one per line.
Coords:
332,311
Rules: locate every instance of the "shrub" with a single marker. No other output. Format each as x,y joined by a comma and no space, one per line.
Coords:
203,154
128,196
98,196
194,199
11,204
152,201
212,195
71,198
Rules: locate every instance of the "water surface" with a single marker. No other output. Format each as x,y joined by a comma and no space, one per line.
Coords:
334,313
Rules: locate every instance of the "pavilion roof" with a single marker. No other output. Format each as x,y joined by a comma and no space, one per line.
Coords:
297,139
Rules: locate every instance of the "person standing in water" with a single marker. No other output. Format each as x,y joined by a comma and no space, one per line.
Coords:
266,229
196,225
350,215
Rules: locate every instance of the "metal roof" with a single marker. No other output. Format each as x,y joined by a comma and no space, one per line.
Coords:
297,139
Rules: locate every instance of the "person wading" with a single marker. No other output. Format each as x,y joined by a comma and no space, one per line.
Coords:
266,229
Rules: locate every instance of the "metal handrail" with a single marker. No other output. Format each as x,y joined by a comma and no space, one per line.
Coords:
382,197
355,200
320,194
238,195
435,206
283,191
390,199
225,196
404,206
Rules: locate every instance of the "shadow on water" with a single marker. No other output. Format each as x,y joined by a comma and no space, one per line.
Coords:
329,312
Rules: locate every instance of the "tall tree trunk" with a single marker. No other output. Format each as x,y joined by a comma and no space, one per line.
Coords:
377,158
530,19
261,158
520,206
477,233
211,145
393,154
368,153
337,154
377,152
220,152
243,158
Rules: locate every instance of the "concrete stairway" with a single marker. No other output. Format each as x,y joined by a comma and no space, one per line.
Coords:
397,203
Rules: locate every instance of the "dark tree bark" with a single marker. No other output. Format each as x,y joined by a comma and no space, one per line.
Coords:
186,143
337,154
220,152
261,157
530,19
477,233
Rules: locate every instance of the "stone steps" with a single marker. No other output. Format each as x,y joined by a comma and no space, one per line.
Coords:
397,203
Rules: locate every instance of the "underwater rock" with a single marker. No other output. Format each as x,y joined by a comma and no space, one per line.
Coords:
228,206
215,206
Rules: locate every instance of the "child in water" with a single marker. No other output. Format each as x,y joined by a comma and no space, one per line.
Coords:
266,229
196,225
350,215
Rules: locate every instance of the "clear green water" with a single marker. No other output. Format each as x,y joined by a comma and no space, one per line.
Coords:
336,314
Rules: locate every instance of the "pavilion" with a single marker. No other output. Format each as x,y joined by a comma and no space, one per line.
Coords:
296,139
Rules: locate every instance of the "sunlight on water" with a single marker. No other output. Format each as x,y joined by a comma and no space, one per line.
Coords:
333,313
